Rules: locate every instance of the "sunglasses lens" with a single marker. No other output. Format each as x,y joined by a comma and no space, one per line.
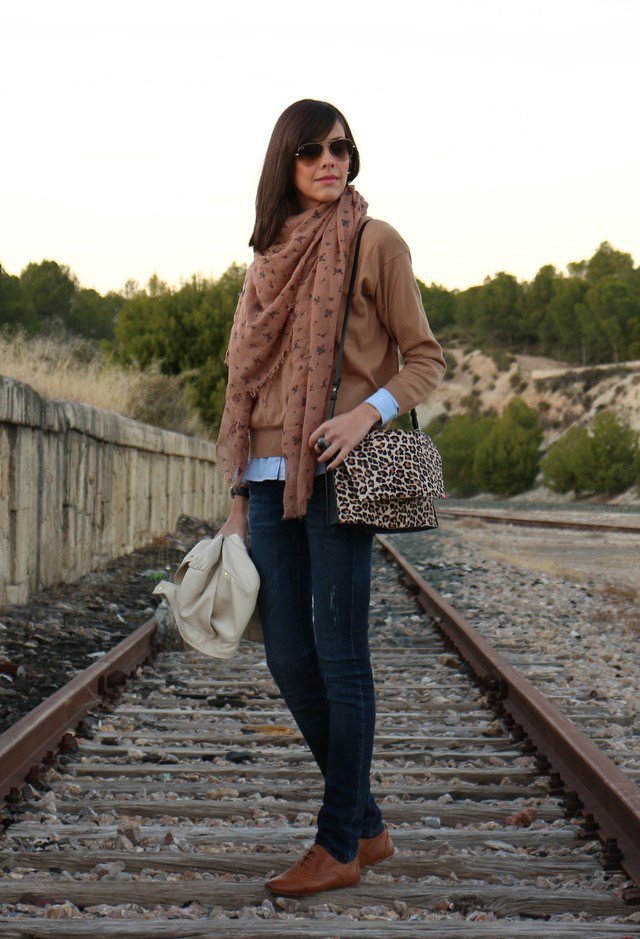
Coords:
308,153
341,149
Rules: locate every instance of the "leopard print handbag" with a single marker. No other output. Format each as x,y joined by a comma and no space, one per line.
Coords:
389,481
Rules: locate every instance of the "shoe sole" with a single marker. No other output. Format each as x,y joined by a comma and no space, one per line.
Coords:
306,893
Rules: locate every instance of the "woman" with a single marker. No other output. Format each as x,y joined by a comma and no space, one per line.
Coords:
315,579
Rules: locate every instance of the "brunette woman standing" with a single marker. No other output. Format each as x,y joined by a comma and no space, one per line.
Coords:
315,578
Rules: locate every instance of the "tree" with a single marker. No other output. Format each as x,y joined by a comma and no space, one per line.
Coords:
561,465
466,303
610,463
16,308
457,441
607,261
537,297
603,459
93,315
51,288
565,331
506,461
186,331
439,305
613,315
147,331
499,310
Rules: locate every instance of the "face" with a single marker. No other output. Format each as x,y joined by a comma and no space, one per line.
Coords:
325,180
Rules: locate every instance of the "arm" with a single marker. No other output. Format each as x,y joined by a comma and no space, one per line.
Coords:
400,308
349,429
237,522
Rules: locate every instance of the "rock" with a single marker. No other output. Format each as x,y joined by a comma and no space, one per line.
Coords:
522,819
66,910
500,846
109,869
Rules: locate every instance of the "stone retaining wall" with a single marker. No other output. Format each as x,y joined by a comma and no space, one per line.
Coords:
80,485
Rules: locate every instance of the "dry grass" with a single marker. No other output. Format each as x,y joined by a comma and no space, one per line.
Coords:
533,562
72,368
608,562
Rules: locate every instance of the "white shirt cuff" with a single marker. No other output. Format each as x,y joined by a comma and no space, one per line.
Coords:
385,403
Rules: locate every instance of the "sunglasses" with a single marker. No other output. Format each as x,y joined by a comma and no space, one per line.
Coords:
309,153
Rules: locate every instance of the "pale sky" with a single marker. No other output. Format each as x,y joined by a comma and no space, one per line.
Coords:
493,134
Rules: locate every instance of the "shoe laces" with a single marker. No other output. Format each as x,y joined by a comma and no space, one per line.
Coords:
306,857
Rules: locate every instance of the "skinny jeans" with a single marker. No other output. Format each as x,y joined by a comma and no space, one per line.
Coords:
315,582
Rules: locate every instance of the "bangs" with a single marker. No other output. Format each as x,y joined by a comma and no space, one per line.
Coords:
317,125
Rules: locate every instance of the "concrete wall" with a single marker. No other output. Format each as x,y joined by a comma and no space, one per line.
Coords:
80,486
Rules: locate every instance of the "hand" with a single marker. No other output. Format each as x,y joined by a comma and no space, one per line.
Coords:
238,521
343,433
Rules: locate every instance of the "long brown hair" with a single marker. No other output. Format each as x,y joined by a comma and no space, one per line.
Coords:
301,122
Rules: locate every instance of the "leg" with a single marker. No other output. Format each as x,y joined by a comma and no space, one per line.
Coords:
280,552
341,579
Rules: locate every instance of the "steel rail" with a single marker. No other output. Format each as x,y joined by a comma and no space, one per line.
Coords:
39,733
531,521
608,800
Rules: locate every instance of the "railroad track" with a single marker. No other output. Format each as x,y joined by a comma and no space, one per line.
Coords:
568,520
180,796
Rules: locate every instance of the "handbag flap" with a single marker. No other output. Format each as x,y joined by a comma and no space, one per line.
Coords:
394,464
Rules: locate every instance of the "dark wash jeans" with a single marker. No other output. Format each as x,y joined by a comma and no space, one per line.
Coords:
314,604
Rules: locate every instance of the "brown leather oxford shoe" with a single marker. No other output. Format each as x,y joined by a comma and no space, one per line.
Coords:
316,870
374,850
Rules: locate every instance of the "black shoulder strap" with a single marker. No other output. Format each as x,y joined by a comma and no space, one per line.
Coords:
336,380
352,281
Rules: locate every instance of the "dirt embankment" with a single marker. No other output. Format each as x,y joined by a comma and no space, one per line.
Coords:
562,394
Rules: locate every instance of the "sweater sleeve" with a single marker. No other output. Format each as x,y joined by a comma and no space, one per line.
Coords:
399,305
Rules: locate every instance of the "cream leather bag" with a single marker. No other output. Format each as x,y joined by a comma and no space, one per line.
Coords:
213,596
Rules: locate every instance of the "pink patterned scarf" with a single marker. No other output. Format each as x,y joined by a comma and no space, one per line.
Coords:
288,306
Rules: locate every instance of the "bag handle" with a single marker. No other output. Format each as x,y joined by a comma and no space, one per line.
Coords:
336,380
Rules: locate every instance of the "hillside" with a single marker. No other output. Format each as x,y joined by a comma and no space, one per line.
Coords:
562,394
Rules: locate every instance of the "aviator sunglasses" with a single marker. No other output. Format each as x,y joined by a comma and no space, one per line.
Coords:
309,153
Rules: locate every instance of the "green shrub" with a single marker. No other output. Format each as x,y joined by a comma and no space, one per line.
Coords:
560,467
470,401
517,381
186,331
604,459
457,441
502,360
611,462
506,461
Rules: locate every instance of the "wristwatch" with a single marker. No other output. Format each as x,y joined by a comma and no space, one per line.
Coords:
239,491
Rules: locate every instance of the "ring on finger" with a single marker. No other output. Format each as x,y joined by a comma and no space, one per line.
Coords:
323,443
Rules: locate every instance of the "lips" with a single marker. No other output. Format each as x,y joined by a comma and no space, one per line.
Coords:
326,179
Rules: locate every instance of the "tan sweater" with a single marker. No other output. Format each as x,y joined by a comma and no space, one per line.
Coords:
386,316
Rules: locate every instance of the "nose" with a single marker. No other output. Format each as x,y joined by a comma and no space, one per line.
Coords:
327,158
